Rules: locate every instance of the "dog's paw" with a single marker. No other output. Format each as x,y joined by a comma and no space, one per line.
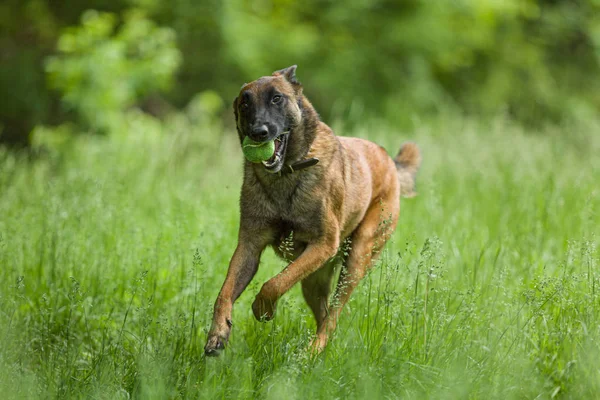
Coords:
317,345
263,308
214,345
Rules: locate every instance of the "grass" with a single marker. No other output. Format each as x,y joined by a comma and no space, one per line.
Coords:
112,252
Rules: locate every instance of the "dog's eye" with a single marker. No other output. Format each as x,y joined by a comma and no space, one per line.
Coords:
244,106
276,99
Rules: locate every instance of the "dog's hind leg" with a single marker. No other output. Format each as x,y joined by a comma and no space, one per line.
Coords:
366,243
316,289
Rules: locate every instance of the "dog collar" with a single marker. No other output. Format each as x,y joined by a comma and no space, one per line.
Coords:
297,166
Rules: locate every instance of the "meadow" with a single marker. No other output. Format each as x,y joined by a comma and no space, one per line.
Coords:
113,249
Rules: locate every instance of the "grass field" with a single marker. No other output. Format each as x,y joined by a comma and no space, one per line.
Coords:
112,252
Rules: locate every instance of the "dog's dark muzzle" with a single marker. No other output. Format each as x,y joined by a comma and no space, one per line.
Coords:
259,133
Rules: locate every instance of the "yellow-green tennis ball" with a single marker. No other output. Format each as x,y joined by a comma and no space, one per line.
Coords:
257,151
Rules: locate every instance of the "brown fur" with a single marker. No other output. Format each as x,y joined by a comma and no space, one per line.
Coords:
352,193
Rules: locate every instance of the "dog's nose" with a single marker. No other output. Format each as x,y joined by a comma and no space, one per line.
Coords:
259,133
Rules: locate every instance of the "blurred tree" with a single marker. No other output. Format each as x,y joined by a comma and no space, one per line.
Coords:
101,72
28,33
535,60
399,58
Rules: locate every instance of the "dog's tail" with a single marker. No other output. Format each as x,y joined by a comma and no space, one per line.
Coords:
407,162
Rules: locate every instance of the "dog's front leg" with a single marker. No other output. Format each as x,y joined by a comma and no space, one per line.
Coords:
313,257
242,268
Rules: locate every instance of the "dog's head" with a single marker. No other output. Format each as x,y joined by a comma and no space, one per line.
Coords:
269,108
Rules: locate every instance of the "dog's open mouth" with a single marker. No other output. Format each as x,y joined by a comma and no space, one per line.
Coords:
275,163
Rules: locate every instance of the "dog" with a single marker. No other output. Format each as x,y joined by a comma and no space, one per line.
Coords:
316,192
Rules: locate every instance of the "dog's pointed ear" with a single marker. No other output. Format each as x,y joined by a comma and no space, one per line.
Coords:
288,73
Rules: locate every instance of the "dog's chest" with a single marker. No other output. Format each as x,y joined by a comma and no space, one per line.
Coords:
292,203
296,209
300,214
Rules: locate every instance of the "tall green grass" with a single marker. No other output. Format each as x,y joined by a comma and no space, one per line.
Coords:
112,252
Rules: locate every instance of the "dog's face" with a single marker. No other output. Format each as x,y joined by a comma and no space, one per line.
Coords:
268,109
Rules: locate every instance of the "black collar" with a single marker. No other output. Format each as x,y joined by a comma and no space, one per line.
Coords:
297,166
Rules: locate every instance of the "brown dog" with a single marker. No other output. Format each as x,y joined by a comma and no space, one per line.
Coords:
315,192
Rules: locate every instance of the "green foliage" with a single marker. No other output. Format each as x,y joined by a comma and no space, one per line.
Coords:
112,251
100,72
399,59
534,61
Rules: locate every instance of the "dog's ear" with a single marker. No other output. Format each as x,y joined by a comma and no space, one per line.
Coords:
289,74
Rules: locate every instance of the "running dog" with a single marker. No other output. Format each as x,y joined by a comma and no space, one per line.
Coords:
317,191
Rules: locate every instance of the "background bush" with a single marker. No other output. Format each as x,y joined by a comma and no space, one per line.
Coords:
536,61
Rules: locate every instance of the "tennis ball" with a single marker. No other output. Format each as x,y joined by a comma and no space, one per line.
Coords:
257,151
